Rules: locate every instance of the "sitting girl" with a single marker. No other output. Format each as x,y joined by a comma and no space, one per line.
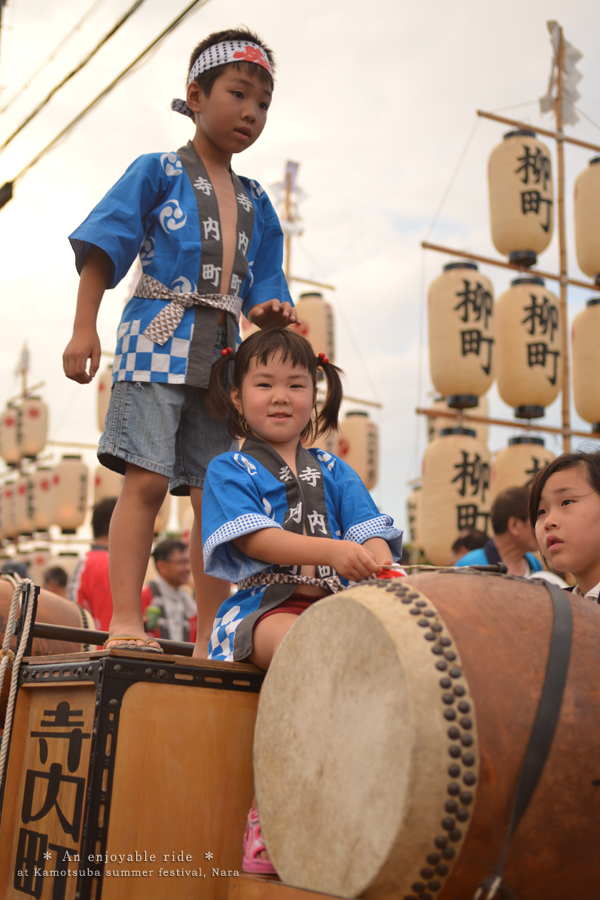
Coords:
564,511
287,524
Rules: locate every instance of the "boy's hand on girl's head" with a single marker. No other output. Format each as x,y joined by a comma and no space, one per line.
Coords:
352,561
273,314
81,347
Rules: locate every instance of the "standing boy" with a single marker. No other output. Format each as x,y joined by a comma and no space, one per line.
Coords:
211,246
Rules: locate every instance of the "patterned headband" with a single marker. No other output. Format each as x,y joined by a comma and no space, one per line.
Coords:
220,55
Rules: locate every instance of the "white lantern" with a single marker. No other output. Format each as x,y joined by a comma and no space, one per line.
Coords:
247,327
34,426
456,490
461,334
103,396
9,512
106,484
414,510
10,435
185,516
521,197
24,505
43,509
317,323
529,333
585,342
39,561
519,463
359,446
70,493
587,224
162,519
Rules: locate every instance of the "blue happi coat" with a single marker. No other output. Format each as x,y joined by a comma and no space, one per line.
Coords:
164,208
254,488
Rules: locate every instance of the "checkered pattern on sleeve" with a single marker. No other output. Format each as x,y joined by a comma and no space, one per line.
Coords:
137,358
224,535
379,527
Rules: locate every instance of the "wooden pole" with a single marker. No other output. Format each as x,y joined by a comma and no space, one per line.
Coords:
589,285
552,134
288,218
527,425
562,244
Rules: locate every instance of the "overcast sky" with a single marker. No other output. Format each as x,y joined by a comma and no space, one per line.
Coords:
376,101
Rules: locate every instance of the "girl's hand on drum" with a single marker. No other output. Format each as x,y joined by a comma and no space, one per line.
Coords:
352,561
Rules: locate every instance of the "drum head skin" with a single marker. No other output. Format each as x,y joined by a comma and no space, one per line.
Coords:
356,730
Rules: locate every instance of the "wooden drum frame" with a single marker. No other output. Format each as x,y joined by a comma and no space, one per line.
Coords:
391,731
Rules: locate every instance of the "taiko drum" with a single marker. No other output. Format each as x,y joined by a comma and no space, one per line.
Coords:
391,730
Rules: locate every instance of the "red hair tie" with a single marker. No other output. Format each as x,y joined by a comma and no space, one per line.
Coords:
323,359
226,351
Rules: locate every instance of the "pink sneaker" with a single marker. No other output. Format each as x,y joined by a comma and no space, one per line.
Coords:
253,844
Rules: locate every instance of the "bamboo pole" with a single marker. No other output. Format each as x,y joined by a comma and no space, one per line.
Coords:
552,134
562,245
505,423
590,285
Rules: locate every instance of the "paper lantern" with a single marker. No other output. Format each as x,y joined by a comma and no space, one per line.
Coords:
456,490
162,518
9,513
43,509
24,505
10,435
587,220
34,426
185,517
103,396
317,324
247,328
585,344
106,484
67,560
39,560
518,463
521,197
434,426
529,332
70,493
461,334
359,446
414,514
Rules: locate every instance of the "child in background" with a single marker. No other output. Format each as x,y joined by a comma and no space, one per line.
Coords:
288,525
211,247
564,511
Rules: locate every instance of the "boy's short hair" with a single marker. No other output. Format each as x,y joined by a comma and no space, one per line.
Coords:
165,550
206,79
101,516
56,574
508,503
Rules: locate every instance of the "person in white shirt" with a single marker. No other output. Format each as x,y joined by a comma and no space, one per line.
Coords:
564,511
173,610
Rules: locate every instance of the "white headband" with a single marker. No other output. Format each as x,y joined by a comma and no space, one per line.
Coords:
220,55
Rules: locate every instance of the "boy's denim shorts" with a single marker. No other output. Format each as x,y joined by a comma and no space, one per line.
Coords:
164,428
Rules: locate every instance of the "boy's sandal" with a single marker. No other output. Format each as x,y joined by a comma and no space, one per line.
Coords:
253,844
130,642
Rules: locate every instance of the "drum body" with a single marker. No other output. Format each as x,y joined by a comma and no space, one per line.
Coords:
52,610
391,731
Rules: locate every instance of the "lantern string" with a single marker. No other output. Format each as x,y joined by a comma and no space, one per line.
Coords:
453,178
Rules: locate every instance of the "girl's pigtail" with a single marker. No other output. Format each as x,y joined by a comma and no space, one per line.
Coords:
327,416
218,400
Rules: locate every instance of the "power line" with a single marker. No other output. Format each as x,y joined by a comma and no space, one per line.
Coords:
70,75
6,191
51,56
